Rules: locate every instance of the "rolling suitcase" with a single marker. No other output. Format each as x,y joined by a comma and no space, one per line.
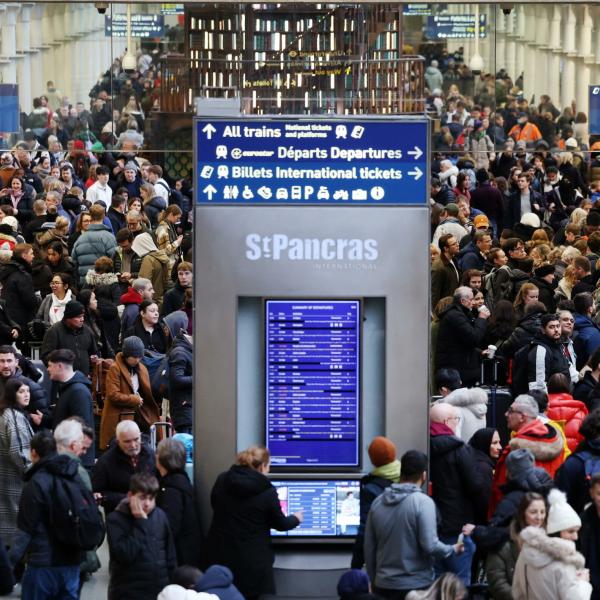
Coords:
160,431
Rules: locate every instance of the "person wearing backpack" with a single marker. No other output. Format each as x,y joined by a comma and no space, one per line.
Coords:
46,534
575,474
180,373
154,265
382,454
141,548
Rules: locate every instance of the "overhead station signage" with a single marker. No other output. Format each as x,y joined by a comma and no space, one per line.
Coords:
312,382
447,27
311,162
141,25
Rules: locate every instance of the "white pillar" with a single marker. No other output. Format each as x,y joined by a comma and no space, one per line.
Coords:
24,50
8,51
554,50
37,50
567,91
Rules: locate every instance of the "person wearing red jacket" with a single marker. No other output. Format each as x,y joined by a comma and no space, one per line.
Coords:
563,408
531,433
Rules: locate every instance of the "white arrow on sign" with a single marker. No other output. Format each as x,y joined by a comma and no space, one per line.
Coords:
417,173
417,153
209,190
209,129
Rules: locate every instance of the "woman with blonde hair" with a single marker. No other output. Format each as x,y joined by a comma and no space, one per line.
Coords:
528,293
540,254
566,284
167,238
245,508
153,203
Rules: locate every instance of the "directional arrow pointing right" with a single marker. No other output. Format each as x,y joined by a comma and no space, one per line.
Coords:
209,190
209,129
417,152
417,173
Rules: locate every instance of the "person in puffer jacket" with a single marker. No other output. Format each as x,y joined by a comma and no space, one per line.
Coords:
472,406
565,410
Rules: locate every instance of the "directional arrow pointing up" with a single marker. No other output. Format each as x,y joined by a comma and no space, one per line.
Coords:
209,190
209,129
416,173
417,153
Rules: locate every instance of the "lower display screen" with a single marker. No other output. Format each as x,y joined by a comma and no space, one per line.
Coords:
331,508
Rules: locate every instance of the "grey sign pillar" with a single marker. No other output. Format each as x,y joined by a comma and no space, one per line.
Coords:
243,254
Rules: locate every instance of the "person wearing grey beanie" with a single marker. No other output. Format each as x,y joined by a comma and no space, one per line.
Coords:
128,391
519,463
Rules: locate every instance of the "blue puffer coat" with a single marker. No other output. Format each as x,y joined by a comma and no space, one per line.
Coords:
97,241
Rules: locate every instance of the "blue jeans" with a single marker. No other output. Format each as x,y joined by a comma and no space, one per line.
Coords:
50,583
459,564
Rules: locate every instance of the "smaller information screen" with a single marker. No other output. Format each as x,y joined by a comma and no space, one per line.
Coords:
312,382
330,508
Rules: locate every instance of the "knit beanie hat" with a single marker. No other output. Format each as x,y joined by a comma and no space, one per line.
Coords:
382,451
544,270
560,514
73,309
519,463
352,583
133,346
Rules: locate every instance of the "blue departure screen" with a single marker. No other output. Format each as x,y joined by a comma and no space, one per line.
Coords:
312,382
330,507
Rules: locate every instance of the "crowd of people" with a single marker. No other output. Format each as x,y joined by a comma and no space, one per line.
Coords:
515,344
96,280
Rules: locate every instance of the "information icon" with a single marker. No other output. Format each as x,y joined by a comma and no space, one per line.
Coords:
377,192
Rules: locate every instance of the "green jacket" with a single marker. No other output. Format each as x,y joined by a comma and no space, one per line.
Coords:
500,568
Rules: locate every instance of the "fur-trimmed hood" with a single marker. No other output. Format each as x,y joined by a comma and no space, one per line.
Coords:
542,439
94,279
539,549
473,399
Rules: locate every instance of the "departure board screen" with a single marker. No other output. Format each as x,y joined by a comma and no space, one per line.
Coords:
313,382
330,508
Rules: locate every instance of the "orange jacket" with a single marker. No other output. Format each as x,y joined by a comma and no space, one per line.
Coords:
528,133
568,413
547,446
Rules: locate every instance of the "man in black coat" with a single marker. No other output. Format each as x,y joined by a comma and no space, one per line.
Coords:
524,200
49,562
17,286
73,396
459,336
173,299
528,327
140,544
114,469
456,486
71,333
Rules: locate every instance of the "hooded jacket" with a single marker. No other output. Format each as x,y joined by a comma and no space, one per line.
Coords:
142,553
94,280
529,326
547,446
456,481
34,532
132,300
491,537
471,258
181,380
18,291
75,400
459,335
570,413
588,339
472,404
401,541
245,507
154,266
218,580
547,568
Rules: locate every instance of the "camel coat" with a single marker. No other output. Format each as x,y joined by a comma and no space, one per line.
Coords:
120,399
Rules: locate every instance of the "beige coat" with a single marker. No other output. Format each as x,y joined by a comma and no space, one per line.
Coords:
547,567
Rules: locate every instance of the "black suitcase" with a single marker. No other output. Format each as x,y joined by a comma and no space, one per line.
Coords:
499,399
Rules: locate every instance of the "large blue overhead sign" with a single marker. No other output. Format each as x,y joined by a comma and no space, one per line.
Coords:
311,162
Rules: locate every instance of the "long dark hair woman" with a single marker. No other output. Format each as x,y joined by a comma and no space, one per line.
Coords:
55,261
148,328
245,508
15,436
94,321
486,445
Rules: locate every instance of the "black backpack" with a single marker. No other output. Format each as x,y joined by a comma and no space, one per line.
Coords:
75,518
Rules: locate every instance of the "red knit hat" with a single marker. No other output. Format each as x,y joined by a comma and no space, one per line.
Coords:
382,451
